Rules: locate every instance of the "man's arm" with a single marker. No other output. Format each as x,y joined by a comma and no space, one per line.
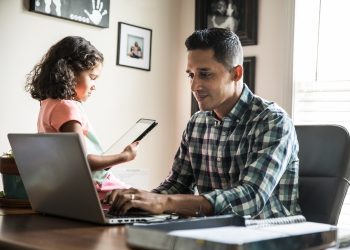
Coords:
270,150
183,204
174,195
180,179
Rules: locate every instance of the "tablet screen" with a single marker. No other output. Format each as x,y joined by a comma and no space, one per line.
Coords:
135,133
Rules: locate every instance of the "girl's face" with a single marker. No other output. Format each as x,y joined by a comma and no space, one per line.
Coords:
86,82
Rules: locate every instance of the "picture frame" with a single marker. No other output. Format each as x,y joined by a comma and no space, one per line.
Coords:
240,16
249,72
248,78
134,46
94,12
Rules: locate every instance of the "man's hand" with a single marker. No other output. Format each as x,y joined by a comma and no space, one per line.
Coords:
184,204
124,199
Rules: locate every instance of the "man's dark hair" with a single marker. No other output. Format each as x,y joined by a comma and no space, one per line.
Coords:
225,44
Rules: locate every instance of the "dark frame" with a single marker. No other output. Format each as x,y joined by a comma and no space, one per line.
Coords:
248,78
128,37
95,13
247,10
249,72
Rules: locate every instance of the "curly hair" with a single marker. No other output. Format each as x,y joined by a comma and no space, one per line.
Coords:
55,75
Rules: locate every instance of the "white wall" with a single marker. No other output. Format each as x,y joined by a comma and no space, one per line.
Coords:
124,94
274,52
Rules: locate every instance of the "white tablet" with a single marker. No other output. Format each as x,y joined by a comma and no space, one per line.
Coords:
139,130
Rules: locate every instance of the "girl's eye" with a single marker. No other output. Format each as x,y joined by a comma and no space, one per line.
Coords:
93,77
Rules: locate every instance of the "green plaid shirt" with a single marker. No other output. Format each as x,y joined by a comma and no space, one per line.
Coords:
246,164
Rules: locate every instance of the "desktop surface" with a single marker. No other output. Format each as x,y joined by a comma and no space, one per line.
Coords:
24,229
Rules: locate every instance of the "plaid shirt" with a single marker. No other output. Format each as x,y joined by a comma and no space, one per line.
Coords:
246,164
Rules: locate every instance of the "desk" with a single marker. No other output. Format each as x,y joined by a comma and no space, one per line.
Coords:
23,229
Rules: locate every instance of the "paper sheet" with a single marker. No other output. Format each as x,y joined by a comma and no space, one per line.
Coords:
240,235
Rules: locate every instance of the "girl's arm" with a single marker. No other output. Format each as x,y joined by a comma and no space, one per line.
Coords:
98,162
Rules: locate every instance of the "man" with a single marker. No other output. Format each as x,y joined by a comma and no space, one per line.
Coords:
239,151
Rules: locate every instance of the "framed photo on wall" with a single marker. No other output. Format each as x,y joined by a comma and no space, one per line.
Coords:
134,46
94,12
240,16
249,72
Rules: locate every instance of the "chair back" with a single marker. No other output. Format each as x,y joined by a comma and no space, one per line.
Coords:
323,171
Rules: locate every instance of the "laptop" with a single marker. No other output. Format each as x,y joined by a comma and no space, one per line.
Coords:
57,178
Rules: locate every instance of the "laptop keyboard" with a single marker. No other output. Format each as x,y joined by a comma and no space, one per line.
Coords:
135,215
127,218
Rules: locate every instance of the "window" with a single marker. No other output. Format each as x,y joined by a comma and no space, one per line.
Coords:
321,74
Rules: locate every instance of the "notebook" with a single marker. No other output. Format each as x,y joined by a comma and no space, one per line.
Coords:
57,178
135,133
233,232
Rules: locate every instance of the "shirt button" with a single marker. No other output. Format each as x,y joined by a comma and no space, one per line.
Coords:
218,158
237,120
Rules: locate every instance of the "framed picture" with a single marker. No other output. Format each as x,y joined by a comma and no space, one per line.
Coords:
240,16
134,46
94,12
249,72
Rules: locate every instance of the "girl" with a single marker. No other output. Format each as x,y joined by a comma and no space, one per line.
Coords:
61,81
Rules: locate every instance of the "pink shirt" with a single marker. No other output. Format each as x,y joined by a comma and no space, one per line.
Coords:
54,113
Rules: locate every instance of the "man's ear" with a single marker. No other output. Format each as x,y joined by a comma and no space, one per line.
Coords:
237,73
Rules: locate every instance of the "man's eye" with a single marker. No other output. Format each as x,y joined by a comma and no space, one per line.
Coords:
205,75
190,75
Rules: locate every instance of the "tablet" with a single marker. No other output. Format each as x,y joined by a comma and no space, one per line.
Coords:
139,130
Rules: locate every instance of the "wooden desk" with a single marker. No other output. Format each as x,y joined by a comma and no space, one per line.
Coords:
23,229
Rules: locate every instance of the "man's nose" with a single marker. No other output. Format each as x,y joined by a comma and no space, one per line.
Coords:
195,84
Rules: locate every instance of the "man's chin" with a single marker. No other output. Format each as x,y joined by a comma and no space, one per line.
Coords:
203,107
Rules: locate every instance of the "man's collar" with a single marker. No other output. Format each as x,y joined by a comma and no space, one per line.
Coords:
239,108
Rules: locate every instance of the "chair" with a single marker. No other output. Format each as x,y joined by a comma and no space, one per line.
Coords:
324,171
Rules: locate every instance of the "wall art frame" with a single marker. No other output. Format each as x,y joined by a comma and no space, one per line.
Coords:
240,16
94,12
134,46
249,72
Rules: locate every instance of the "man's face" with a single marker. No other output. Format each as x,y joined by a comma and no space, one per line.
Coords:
211,83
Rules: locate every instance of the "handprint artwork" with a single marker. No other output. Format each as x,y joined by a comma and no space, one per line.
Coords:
48,3
96,13
93,12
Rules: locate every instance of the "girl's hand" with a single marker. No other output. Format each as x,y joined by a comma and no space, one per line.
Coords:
130,151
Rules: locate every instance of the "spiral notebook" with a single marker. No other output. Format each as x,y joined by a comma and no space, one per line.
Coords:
234,232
